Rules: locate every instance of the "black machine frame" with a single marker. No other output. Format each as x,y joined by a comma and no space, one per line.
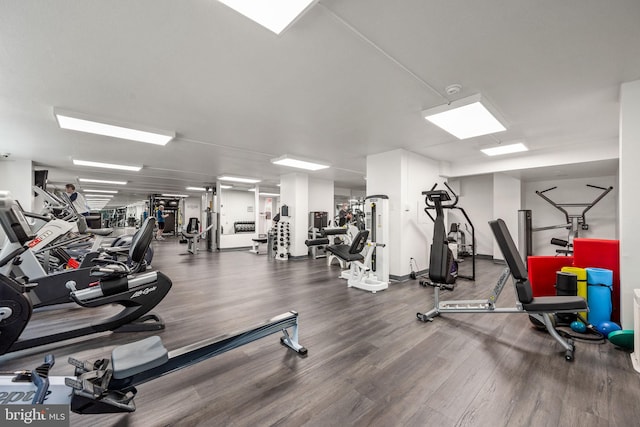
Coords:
454,205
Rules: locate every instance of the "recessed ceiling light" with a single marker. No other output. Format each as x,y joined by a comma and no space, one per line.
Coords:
238,179
86,190
84,123
175,195
226,187
505,149
274,16
299,163
270,194
465,118
102,181
106,165
107,196
196,189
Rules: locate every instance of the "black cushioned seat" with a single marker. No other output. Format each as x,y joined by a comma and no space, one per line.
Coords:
316,242
351,253
342,252
555,304
260,240
333,231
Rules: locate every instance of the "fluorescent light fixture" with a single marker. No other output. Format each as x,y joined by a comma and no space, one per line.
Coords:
251,189
196,189
175,195
353,201
86,190
273,15
270,194
238,179
106,165
104,196
505,149
102,181
277,185
287,160
85,123
465,118
226,187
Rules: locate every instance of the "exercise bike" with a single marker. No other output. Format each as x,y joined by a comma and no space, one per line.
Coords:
112,284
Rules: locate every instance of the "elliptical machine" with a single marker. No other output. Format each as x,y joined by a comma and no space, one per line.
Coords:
468,248
443,268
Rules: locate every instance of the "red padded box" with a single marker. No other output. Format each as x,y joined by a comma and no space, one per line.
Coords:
542,273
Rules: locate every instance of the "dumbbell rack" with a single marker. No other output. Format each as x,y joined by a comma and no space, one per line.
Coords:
283,239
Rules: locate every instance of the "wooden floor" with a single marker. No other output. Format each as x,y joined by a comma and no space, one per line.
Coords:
370,362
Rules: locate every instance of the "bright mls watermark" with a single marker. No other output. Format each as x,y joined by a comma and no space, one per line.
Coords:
34,415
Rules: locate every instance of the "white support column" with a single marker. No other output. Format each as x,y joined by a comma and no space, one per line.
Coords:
628,198
507,200
16,176
294,192
402,176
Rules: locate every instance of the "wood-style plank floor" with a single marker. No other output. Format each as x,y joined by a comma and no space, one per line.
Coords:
370,362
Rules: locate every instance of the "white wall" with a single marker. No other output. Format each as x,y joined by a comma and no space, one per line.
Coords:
602,218
419,174
507,200
476,198
16,176
192,210
629,176
236,205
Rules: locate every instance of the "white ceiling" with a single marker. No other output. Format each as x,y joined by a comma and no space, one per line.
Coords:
348,79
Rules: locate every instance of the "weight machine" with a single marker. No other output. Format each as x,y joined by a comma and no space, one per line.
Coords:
574,222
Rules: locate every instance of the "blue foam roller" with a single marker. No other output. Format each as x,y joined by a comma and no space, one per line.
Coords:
599,288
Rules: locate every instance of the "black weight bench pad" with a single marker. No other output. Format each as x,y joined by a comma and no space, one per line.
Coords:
333,231
556,304
342,252
260,240
316,242
130,359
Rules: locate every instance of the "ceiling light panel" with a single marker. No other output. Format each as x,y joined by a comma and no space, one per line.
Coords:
86,190
270,194
84,123
196,189
299,163
465,118
505,149
106,165
275,16
102,181
238,179
99,196
175,195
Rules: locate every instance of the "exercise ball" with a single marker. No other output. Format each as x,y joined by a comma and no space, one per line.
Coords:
578,326
606,327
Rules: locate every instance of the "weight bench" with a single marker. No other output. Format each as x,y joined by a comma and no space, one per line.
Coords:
192,234
540,308
255,246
